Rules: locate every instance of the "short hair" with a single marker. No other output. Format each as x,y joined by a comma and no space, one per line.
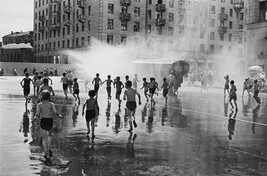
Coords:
39,77
45,95
118,78
129,83
91,93
232,82
151,79
64,74
255,81
45,81
36,73
109,76
126,77
144,79
27,74
75,79
164,79
97,74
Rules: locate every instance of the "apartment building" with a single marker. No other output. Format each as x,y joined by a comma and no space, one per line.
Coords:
256,49
61,25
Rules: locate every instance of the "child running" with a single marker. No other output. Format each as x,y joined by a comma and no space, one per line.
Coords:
126,79
135,80
233,94
109,81
130,93
165,87
76,90
35,78
246,87
119,86
26,86
65,83
45,112
256,88
226,85
47,88
39,83
92,110
97,82
145,87
152,89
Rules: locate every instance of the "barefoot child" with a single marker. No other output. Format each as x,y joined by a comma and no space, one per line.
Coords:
97,82
26,86
119,86
65,83
45,112
165,87
35,78
46,87
109,81
256,88
131,103
39,83
76,90
233,94
92,110
145,87
246,86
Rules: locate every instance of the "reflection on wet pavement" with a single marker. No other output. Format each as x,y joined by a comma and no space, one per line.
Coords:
195,134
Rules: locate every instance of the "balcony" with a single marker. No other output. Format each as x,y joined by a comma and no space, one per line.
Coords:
81,18
160,22
67,9
81,4
125,16
54,12
160,7
41,29
125,2
222,29
41,18
54,1
67,23
223,16
54,26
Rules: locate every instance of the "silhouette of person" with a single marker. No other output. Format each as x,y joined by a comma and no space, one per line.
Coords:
117,123
164,115
254,118
108,113
130,153
75,113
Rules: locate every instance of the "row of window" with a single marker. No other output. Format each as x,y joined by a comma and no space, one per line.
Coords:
222,11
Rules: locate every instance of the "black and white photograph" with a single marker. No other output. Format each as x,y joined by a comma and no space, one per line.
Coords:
133,87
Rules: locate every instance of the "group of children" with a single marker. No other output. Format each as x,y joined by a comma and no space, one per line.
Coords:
247,86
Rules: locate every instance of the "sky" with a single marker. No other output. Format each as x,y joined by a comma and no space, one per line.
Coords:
15,15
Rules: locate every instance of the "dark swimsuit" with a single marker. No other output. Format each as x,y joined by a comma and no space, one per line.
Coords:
46,123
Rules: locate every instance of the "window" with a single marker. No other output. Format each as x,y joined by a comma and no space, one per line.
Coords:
202,34
110,23
68,30
212,36
241,16
148,30
170,30
82,41
212,22
54,45
149,14
136,26
149,1
88,40
263,11
110,39
63,31
159,30
170,17
123,40
89,10
230,24
124,25
221,36
77,41
220,48
240,26
83,26
231,1
68,43
222,10
63,44
137,11
111,8
58,33
201,47
212,9
77,27
171,3
230,38
212,49
58,44
89,25
223,1
231,13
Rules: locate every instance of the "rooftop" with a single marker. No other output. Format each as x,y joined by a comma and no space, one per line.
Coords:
17,46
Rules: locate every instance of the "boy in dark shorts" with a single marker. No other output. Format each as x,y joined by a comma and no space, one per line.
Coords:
109,81
46,87
65,83
152,89
119,86
165,87
26,86
35,79
256,88
45,112
126,79
233,94
145,87
92,110
76,90
130,93
97,82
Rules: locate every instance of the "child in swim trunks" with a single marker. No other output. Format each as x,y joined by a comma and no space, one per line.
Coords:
45,111
26,86
130,93
165,87
109,81
76,90
92,110
97,82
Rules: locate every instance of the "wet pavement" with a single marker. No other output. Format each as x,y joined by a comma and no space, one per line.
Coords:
195,134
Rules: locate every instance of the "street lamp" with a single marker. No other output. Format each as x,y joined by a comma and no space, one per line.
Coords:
238,6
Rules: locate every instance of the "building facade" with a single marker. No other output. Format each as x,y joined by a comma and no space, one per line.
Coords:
18,37
193,29
257,34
